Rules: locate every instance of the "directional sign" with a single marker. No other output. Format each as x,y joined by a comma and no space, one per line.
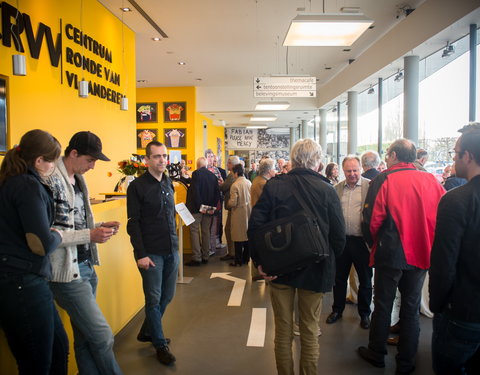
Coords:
285,87
237,290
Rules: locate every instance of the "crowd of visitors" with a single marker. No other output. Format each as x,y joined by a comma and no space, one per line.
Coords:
385,225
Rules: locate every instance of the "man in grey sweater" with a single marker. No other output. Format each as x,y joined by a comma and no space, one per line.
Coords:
74,281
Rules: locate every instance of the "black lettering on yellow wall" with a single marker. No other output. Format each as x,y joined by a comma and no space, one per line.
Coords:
12,30
35,43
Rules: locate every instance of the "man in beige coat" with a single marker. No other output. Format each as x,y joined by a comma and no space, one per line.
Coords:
239,204
266,171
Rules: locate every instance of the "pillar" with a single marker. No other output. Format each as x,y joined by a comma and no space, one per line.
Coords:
322,132
304,131
410,98
473,74
352,122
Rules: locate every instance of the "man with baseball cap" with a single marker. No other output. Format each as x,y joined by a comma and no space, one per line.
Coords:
74,281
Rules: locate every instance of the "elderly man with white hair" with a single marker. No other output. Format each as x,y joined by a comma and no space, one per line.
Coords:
370,161
310,283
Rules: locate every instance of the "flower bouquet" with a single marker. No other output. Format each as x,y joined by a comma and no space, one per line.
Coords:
129,168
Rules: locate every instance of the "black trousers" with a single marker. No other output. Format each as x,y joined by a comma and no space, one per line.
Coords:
355,252
242,254
409,283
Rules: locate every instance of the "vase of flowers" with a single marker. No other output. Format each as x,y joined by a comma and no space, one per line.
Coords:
129,168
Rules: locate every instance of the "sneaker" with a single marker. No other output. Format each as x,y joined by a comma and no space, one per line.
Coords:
211,252
204,261
164,356
221,246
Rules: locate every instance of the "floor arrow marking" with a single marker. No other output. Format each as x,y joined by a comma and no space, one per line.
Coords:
237,290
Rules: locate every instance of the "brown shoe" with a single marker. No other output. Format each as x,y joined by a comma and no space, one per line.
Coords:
393,340
395,329
164,355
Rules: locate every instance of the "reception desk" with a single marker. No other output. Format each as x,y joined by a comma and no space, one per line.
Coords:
120,294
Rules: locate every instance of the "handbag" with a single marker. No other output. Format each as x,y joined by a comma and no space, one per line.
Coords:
290,243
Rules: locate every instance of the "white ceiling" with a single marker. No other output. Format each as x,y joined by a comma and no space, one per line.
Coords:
225,43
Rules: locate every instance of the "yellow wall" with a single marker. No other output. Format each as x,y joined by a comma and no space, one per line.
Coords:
40,100
194,123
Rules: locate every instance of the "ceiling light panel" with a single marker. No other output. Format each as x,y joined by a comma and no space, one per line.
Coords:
326,29
263,119
272,106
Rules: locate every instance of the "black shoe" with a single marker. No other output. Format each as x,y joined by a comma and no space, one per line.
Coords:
204,261
227,257
333,317
164,355
147,338
369,356
193,263
235,264
257,278
365,322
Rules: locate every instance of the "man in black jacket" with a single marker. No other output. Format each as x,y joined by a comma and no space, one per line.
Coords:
309,283
203,191
152,230
455,264
370,162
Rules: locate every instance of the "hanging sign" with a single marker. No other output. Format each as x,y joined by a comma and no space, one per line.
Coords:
284,87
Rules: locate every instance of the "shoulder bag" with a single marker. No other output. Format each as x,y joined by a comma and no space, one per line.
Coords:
290,243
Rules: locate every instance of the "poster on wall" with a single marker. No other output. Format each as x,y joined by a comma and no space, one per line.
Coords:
175,138
145,136
241,138
175,156
3,116
175,111
146,112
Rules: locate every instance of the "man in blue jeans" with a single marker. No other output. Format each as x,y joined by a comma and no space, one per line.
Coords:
74,281
152,230
455,263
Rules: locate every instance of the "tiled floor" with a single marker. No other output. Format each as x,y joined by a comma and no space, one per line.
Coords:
209,337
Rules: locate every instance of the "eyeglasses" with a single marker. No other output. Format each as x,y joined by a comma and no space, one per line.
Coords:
452,153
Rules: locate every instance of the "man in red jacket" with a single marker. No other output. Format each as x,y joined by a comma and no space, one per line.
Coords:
398,224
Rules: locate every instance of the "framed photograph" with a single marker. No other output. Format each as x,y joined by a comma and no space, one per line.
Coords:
145,136
175,111
147,112
175,138
175,156
3,116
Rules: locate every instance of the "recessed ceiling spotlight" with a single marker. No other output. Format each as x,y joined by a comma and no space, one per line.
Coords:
182,63
156,39
125,9
169,52
346,49
198,79
142,81
371,27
